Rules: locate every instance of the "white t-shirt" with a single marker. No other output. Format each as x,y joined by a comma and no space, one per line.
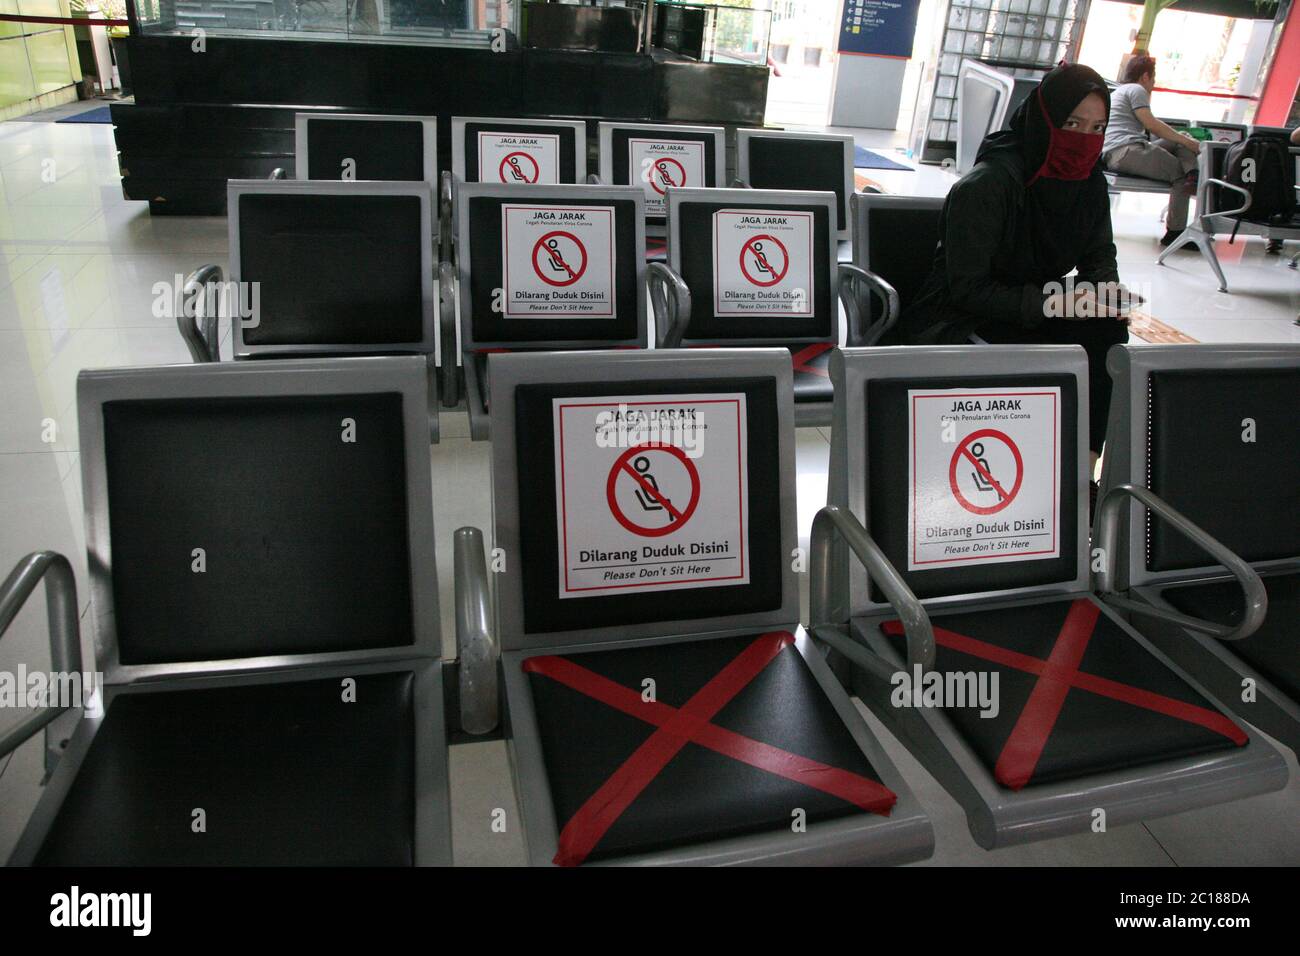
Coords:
1124,127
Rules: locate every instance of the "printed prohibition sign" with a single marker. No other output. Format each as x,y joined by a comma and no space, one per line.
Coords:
691,723
554,254
662,174
1057,676
963,455
761,255
514,168
651,490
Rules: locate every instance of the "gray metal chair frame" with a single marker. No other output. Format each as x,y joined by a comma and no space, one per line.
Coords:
902,836
71,733
846,617
1135,589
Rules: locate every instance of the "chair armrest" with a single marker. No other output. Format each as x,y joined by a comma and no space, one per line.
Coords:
1106,537
65,633
833,523
593,179
857,285
201,328
476,645
670,303
278,173
447,333
1236,189
444,216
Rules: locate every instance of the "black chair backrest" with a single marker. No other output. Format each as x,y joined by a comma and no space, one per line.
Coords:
819,163
895,237
957,552
366,147
346,266
643,497
1223,448
304,535
759,263
1272,130
519,153
658,156
561,266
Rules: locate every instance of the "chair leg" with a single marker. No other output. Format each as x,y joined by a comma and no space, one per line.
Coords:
1183,239
1204,243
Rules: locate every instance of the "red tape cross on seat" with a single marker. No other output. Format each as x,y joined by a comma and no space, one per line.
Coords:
690,724
1057,676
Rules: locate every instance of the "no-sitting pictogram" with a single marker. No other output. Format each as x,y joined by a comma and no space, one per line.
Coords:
970,472
559,258
519,167
649,472
764,260
664,172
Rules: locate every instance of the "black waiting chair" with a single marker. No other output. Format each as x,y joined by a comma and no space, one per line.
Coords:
968,466
366,147
664,705
322,268
551,267
659,156
894,239
518,152
811,162
264,592
758,267
1211,429
1222,207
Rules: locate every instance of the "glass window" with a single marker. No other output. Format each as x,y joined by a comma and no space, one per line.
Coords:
1198,55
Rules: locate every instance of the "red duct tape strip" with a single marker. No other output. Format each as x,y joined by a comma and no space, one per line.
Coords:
805,355
1020,753
690,724
1057,676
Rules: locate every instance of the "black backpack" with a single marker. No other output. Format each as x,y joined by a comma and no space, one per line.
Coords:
1262,165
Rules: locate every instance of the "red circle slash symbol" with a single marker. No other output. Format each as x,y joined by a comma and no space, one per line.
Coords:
971,453
519,167
664,172
648,490
559,258
758,254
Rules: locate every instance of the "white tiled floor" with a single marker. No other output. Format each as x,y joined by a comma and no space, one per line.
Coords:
77,266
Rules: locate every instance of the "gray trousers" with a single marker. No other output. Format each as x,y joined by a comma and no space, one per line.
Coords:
1163,161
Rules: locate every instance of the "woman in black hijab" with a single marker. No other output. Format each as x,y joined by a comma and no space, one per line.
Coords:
1034,208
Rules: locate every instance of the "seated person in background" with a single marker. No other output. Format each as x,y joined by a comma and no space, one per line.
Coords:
1130,151
1034,207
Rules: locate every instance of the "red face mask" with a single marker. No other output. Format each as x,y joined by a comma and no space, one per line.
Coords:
1071,154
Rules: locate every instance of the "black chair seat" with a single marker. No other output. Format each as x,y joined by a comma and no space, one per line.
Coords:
607,760
286,774
812,377
1273,650
1077,695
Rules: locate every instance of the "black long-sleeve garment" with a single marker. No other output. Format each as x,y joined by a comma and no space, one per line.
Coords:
993,266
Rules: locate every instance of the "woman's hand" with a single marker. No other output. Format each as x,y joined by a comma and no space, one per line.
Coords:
1084,303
